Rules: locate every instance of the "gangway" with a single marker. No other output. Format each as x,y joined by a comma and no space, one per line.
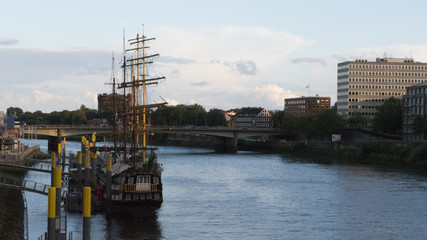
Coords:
26,185
46,168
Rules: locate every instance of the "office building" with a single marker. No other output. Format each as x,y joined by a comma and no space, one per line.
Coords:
307,106
414,103
363,86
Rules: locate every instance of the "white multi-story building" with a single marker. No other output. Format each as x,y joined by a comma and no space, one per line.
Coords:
364,85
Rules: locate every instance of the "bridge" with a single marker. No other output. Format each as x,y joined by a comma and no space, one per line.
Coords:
226,136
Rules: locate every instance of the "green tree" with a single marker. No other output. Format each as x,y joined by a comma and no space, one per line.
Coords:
293,126
215,117
326,123
16,112
419,125
388,118
277,118
357,120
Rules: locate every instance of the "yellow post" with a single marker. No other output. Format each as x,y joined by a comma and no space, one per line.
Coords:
58,176
79,157
51,213
64,143
87,160
51,202
87,168
86,201
52,159
59,149
86,212
109,164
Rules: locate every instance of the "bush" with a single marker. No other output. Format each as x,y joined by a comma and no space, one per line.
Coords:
418,154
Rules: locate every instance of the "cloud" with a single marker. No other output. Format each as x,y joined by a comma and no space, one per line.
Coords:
203,83
8,41
246,67
43,97
229,44
171,102
273,94
177,60
309,60
242,67
418,52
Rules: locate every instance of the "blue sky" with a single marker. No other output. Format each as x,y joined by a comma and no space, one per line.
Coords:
56,55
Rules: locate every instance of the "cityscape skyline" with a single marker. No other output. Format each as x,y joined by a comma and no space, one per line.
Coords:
56,56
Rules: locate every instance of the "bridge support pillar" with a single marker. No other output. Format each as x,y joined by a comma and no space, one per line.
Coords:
226,145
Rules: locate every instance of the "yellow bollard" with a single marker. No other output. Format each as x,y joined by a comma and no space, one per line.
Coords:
52,159
86,212
51,213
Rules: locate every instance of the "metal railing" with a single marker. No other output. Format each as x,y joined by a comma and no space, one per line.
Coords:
139,188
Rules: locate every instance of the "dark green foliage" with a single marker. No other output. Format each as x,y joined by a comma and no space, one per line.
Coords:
388,118
326,123
418,154
277,119
357,120
16,112
215,117
292,125
419,124
180,115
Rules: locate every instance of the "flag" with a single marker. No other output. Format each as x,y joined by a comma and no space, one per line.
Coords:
307,86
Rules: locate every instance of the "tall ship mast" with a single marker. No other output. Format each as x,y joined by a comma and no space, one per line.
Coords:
136,173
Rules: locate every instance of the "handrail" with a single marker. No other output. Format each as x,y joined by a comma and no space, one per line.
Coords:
138,188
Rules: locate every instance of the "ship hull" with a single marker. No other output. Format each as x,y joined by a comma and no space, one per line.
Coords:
140,209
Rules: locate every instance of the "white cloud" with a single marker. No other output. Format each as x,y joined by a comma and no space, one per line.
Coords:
43,97
171,102
261,45
273,94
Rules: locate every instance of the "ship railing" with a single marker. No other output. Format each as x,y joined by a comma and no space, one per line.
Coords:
139,188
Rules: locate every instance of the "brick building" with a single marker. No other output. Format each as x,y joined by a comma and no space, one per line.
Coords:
307,106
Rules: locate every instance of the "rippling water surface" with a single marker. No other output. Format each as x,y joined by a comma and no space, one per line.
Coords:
263,196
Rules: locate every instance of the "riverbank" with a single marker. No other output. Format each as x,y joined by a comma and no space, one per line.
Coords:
384,153
12,202
11,209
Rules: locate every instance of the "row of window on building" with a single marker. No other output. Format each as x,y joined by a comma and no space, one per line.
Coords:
377,93
388,67
377,87
400,74
391,80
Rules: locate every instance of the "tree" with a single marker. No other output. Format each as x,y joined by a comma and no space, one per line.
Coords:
292,125
215,117
419,125
277,119
357,120
388,118
326,123
16,112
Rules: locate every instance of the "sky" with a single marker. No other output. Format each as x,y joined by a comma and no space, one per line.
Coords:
57,55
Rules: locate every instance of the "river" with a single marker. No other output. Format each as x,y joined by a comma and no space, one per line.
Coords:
249,195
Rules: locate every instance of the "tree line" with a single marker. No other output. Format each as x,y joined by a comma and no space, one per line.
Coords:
388,119
179,115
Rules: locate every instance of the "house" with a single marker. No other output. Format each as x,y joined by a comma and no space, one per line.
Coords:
253,118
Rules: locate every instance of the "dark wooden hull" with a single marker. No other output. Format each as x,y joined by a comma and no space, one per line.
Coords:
135,209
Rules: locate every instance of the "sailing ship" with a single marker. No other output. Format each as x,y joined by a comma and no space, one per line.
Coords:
136,184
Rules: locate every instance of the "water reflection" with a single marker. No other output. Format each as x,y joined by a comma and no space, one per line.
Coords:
133,228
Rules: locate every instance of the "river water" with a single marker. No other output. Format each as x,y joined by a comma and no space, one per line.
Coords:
250,195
